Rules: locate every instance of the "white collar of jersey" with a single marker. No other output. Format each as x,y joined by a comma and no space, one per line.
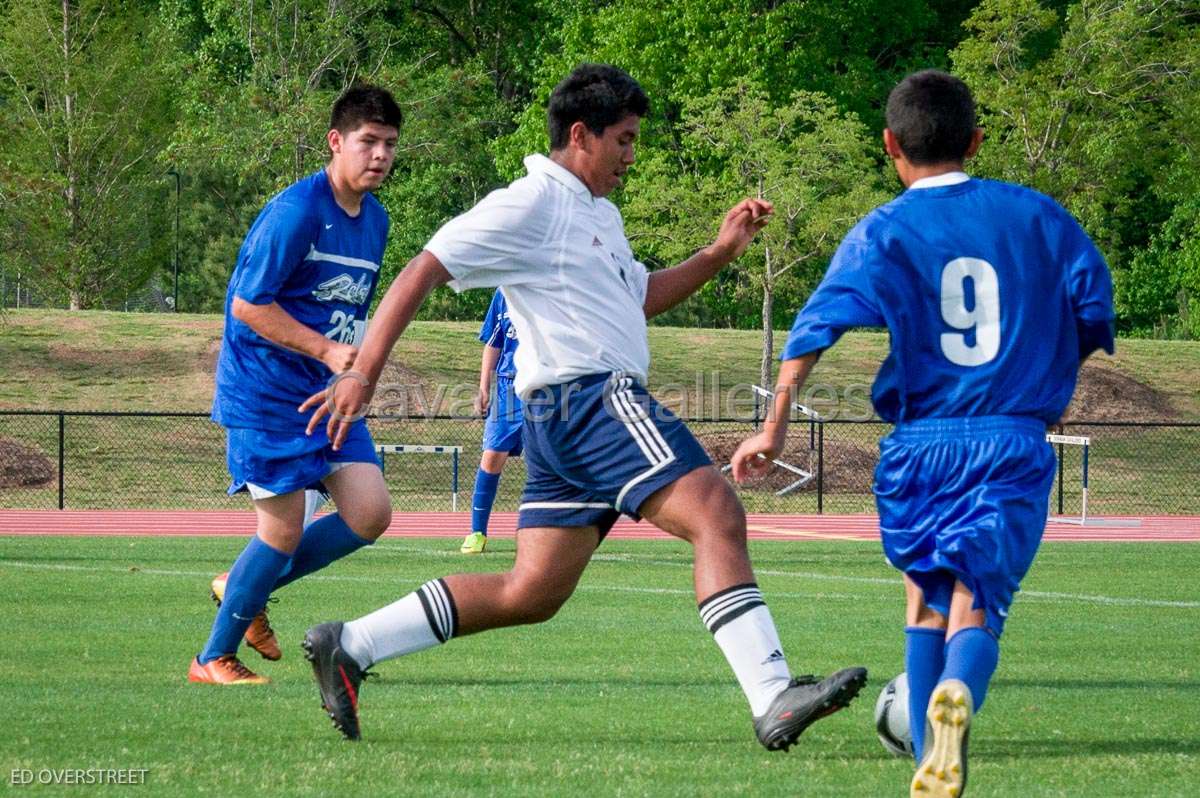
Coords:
944,179
540,164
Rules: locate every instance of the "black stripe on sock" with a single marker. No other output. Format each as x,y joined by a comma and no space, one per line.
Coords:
453,630
430,615
726,603
735,613
725,591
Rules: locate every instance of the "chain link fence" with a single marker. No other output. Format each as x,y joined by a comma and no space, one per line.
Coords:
77,461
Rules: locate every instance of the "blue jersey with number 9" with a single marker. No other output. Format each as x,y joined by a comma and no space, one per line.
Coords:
991,292
321,266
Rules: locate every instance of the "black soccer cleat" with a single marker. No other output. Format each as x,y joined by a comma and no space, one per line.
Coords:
338,676
805,701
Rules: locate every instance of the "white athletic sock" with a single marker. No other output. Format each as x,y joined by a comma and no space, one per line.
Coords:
741,624
420,620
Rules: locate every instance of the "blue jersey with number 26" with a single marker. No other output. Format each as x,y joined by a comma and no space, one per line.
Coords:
320,265
991,292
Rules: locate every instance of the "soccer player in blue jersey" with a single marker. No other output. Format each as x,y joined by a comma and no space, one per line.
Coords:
993,296
502,430
295,313
596,442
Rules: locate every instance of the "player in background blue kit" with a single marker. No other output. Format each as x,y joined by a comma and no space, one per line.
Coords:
295,313
993,296
502,431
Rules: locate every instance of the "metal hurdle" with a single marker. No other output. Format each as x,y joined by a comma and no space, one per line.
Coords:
384,449
814,420
1074,440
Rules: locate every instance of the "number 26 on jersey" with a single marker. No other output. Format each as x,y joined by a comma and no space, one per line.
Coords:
983,317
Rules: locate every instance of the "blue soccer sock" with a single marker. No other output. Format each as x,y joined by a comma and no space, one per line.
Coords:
924,658
246,592
485,496
327,539
971,657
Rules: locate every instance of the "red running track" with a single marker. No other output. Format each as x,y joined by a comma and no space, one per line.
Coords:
235,523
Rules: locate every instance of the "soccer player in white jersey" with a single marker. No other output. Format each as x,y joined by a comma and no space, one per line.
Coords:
596,443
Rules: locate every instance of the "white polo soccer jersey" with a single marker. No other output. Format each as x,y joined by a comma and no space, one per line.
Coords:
574,290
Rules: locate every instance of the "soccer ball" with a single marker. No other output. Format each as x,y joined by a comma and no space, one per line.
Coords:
891,717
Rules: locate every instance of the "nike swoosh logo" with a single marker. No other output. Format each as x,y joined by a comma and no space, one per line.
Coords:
328,226
240,618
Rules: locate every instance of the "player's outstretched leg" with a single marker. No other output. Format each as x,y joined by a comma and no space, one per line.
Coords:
548,566
338,676
701,508
943,770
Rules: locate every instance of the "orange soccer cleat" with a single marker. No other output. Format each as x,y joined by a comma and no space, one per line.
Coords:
224,670
259,635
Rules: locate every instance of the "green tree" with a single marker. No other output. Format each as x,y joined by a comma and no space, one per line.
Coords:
86,114
1086,105
808,158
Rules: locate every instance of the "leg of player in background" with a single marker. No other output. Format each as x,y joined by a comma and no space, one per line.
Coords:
702,509
248,586
364,513
487,483
924,658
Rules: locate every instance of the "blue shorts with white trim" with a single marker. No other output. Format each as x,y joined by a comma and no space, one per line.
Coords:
268,463
597,447
965,499
502,430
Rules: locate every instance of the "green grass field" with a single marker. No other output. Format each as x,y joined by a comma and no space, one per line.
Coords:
622,694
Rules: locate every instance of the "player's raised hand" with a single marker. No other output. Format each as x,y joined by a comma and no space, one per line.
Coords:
345,401
754,457
339,357
742,224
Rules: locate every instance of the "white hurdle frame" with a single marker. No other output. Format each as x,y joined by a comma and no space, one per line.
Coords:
384,449
805,476
1074,440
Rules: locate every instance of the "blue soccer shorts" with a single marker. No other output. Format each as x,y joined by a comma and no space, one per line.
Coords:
965,499
268,463
502,430
598,447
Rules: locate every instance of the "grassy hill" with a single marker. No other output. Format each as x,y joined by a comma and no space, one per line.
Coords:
59,360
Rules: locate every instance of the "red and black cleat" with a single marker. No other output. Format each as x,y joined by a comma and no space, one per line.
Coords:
338,676
805,701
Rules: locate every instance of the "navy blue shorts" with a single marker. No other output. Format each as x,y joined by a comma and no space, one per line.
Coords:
502,430
597,447
965,499
269,463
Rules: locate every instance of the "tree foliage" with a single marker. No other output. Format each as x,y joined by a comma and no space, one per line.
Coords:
1094,102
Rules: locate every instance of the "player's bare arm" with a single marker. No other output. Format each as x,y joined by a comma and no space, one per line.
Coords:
669,287
487,369
400,304
279,327
753,458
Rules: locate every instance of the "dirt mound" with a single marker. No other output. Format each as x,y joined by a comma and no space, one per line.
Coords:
22,466
403,392
1105,394
849,467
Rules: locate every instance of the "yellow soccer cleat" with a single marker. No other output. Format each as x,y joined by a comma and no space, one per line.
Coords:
474,543
943,771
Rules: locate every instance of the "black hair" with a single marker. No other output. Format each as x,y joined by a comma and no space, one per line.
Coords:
363,103
932,116
598,95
